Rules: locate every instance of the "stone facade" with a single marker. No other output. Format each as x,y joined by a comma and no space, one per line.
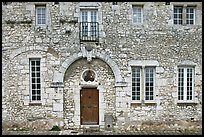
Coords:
122,44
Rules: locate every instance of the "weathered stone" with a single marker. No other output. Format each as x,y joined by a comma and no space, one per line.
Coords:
122,44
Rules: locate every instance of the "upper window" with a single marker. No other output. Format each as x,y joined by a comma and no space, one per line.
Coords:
143,83
185,84
89,25
184,15
35,80
178,12
40,15
137,14
190,15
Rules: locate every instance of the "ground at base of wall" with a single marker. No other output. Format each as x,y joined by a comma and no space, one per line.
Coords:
75,132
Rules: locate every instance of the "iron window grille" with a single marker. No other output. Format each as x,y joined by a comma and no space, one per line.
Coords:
89,32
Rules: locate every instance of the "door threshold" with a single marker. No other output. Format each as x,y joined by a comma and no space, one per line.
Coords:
90,126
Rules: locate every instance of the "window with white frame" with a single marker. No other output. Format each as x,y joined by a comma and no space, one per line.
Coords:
185,84
41,15
35,80
190,15
136,83
184,15
149,83
143,83
89,20
178,13
137,13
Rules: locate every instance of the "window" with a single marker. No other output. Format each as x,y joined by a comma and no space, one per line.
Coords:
136,83
184,15
40,15
149,83
35,80
144,75
178,12
185,83
89,25
137,14
190,17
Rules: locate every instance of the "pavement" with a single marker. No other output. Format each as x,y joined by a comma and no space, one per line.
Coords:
74,132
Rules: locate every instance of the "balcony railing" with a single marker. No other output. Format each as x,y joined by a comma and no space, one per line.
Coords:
89,32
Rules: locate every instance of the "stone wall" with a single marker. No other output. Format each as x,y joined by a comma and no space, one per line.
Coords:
121,42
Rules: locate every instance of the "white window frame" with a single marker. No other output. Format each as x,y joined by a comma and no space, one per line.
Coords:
89,19
185,84
193,14
133,9
143,84
30,77
154,91
184,14
137,101
36,14
178,14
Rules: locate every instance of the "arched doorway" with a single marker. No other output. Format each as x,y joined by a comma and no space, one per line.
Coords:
89,93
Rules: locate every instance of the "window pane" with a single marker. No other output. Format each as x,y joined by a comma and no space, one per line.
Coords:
33,68
137,14
136,82
33,74
38,97
37,63
33,86
32,63
33,92
38,86
38,80
190,15
180,83
33,97
149,83
189,83
38,92
185,83
178,15
38,74
41,14
38,68
35,82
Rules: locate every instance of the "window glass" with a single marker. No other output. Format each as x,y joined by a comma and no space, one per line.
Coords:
41,15
35,79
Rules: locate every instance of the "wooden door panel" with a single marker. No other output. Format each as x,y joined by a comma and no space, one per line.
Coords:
89,106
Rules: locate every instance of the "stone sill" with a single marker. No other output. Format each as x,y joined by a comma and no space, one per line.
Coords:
35,104
143,104
186,103
150,104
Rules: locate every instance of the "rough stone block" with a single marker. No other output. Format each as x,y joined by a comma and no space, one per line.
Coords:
57,107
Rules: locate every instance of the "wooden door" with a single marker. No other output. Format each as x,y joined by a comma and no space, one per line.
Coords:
89,106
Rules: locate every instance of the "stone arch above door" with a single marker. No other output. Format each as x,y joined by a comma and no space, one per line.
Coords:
59,75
